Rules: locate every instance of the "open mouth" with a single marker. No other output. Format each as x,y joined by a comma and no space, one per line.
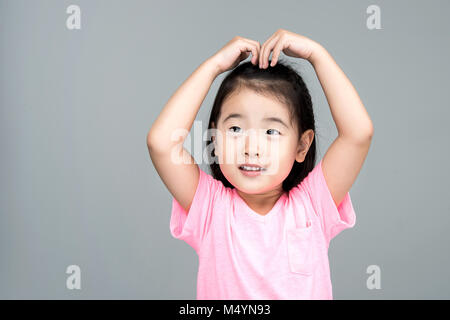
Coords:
251,168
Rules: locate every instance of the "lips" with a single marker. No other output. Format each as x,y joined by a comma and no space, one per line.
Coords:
251,167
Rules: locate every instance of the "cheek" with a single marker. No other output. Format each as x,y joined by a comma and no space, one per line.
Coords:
278,149
227,149
281,157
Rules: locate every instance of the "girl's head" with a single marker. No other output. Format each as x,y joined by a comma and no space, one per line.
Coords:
265,117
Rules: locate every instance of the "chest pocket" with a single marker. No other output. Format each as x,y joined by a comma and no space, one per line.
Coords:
301,248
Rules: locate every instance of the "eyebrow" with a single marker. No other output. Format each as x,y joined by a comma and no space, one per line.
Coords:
268,119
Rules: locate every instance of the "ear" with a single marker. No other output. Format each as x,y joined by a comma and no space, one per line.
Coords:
213,126
213,139
304,144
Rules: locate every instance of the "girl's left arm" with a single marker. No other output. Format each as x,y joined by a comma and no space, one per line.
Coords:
352,120
344,158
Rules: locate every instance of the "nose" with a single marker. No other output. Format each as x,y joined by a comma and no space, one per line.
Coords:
251,145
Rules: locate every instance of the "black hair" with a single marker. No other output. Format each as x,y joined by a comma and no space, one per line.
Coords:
283,83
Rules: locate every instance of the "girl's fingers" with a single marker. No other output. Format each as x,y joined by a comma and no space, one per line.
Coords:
255,50
245,48
263,48
258,50
244,55
276,52
267,48
254,53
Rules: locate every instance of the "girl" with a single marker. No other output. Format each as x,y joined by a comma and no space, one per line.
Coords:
261,224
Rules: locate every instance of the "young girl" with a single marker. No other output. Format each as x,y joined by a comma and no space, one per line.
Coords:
262,222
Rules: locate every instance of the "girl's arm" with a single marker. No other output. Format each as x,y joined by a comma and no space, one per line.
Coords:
181,179
172,161
182,107
345,156
351,118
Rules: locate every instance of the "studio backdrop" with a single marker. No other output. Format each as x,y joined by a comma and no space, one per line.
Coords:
82,81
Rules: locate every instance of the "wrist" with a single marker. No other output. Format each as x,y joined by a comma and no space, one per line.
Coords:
318,53
212,66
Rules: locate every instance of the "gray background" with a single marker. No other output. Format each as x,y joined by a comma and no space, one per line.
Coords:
77,183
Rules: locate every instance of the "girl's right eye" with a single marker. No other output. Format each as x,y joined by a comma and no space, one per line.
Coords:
231,128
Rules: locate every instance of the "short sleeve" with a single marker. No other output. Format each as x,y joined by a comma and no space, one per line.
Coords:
192,226
334,219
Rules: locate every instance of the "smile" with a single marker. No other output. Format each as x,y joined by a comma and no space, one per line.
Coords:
251,168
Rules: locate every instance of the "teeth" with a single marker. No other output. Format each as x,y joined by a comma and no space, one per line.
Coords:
251,168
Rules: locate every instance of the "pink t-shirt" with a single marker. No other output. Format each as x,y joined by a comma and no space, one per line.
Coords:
245,255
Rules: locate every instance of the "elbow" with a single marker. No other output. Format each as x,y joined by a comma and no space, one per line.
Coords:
370,131
156,143
363,136
151,141
164,141
367,135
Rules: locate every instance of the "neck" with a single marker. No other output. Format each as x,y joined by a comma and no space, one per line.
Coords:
262,203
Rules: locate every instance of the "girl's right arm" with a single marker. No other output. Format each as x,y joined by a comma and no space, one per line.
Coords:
181,179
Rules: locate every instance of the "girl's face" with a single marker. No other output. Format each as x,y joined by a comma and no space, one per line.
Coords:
256,129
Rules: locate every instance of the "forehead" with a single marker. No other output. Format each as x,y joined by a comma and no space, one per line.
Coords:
254,105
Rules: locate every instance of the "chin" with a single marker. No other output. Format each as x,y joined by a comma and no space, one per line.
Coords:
255,187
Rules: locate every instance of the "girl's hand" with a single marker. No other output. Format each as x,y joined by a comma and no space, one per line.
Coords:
236,50
292,44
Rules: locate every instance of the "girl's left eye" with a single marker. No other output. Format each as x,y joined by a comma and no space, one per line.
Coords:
278,132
